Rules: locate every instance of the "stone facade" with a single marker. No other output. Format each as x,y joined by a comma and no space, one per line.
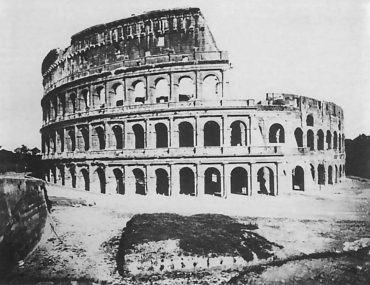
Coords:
140,106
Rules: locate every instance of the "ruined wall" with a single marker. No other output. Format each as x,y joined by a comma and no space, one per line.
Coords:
160,121
23,215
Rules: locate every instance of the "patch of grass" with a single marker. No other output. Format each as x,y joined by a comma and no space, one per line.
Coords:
203,234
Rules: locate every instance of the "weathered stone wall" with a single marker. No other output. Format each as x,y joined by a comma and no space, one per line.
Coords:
23,215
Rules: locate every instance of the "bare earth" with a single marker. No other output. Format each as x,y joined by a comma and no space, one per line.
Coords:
319,233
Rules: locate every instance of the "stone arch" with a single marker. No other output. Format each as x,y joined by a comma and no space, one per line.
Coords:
100,173
62,104
72,103
84,100
71,140
161,135
239,181
120,185
276,134
340,142
119,95
186,134
72,172
99,97
298,134
212,182
321,174
162,182
85,139
335,140
238,134
85,179
139,136
320,140
139,181
310,140
99,137
187,181
330,175
298,178
60,139
118,136
139,92
186,89
328,139
211,87
211,134
162,91
309,120
265,178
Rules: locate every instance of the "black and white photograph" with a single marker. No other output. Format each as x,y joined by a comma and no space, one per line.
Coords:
184,142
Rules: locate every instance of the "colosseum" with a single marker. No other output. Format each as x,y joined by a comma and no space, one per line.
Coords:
140,106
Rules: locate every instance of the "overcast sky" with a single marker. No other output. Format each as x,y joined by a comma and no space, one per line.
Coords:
317,48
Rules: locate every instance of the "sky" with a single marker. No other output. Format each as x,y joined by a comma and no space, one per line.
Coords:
314,48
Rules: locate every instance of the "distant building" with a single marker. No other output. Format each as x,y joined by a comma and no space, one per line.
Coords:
358,156
141,106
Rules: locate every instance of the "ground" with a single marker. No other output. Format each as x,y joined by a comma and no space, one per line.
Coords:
320,237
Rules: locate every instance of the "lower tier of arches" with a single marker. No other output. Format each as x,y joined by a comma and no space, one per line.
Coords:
216,179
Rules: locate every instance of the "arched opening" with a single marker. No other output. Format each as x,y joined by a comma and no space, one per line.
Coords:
298,178
298,133
328,139
86,179
120,186
71,140
102,181
162,182
265,178
312,168
330,175
139,92
238,134
72,171
211,88
72,102
119,95
186,89
186,134
211,134
118,135
62,104
336,174
187,185
340,171
310,140
162,91
139,136
139,181
161,135
84,100
99,131
321,174
320,140
340,142
99,97
309,121
239,181
85,138
60,140
335,140
276,134
212,182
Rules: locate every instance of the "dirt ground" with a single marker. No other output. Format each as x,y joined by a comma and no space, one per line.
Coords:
81,240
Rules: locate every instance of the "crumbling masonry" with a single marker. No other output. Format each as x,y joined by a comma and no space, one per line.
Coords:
140,106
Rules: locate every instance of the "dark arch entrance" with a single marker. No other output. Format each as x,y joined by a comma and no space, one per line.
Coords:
117,131
139,181
212,182
186,134
298,133
211,134
265,178
162,182
298,178
276,134
102,180
321,174
310,140
139,136
101,139
187,185
238,134
239,181
72,171
85,137
161,135
320,140
120,186
330,175
328,139
86,180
